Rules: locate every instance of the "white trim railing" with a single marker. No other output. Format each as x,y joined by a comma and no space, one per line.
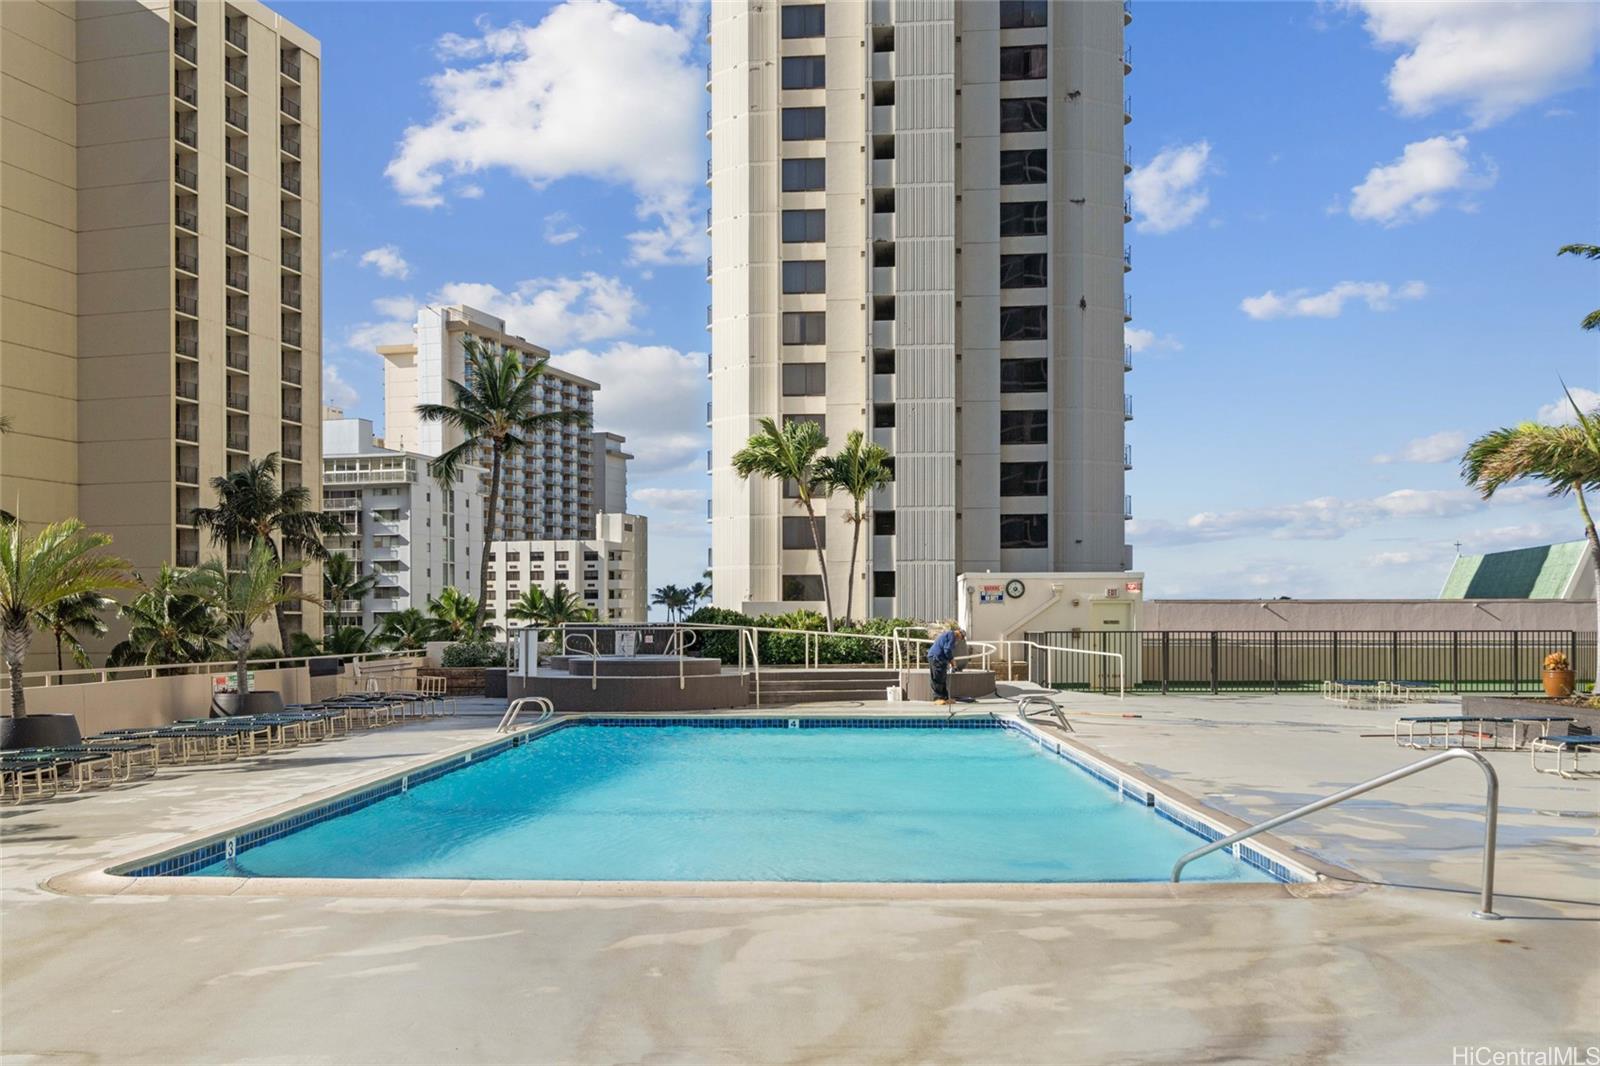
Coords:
144,672
1052,650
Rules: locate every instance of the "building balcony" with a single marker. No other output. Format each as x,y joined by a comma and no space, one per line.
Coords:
186,220
291,221
238,442
237,33
1127,59
187,390
187,305
188,432
290,144
187,344
238,358
186,177
188,9
291,336
238,200
291,412
883,226
187,475
291,259
291,296
237,159
188,262
883,334
1127,408
1127,258
883,118
1127,358
1127,209
188,557
290,184
1127,159
1127,457
239,319
1127,508
238,401
1127,307
185,50
1127,11
1127,110
289,65
238,238
238,279
183,515
186,91
291,449
237,118
291,374
289,107
234,74
883,173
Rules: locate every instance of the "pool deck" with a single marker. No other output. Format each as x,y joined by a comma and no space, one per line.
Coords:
1397,972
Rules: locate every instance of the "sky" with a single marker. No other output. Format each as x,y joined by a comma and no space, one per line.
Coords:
1345,224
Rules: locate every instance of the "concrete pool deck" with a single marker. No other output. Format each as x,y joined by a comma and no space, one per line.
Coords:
1390,974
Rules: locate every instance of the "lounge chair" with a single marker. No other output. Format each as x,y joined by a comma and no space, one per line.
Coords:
1574,744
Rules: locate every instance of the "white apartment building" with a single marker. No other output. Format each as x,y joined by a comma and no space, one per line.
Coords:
610,465
608,569
413,534
548,491
917,217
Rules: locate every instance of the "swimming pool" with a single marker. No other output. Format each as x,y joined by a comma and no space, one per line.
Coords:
728,799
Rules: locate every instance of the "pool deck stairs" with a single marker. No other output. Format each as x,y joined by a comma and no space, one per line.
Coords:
822,684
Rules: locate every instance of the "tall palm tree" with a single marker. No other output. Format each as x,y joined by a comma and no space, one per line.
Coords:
406,630
674,599
167,624
342,581
792,454
60,561
1566,458
457,616
858,471
244,597
72,619
252,508
1586,251
529,607
495,414
562,606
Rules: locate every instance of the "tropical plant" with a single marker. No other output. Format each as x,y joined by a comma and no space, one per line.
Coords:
858,471
495,412
60,561
562,605
699,592
473,653
1565,458
343,581
676,600
457,616
406,630
1586,251
252,509
347,640
244,597
791,454
167,625
72,619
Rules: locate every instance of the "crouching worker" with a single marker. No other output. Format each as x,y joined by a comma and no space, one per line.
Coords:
940,656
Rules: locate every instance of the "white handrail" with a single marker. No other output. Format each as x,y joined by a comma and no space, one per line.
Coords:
546,711
146,671
1050,677
594,655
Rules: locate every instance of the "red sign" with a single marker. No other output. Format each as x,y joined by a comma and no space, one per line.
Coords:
1135,586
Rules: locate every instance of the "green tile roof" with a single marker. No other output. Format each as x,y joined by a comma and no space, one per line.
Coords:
1541,573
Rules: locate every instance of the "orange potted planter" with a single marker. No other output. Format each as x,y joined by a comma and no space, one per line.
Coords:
1557,677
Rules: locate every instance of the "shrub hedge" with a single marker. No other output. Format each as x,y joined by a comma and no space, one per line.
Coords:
788,649
473,653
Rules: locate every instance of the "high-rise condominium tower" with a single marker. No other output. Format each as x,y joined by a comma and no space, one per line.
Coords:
161,263
917,232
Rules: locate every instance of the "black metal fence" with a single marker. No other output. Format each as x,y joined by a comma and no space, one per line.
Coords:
1301,660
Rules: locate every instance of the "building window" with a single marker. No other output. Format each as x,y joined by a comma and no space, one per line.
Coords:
1023,375
804,327
883,523
802,20
803,226
1026,271
1024,531
883,583
802,175
805,275
805,379
1026,218
1023,114
1024,323
806,72
820,421
883,416
1017,63
802,587
1025,166
804,124
797,533
1024,479
883,361
1022,14
1024,427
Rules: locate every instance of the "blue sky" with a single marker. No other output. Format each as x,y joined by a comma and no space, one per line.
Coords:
1346,219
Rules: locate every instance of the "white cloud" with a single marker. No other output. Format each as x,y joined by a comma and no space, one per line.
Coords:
1302,303
397,315
653,395
1491,58
1146,340
1402,558
680,501
559,228
1413,186
1166,192
1441,447
388,261
336,391
1559,411
591,91
1525,535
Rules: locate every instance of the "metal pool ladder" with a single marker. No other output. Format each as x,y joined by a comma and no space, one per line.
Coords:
509,720
1491,816
1055,709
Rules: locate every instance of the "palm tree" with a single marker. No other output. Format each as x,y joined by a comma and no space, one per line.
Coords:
1586,251
244,597
167,624
72,619
342,581
699,592
458,617
792,454
1566,458
252,508
60,561
406,630
858,471
554,608
529,607
495,413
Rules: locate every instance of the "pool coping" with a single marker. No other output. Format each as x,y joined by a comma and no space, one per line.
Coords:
1311,877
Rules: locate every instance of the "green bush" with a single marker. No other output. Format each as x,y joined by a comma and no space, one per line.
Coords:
473,653
788,649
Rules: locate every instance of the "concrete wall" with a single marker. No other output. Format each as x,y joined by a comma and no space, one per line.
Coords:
1179,615
153,700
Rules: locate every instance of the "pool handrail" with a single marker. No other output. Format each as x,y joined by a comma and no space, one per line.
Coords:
1491,817
1122,672
547,710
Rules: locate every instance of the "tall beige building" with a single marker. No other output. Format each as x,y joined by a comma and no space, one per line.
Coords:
160,253
917,231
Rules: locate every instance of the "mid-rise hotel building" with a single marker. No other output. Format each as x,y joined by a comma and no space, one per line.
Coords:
160,249
917,231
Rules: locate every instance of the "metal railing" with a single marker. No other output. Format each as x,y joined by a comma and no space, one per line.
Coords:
96,675
1054,651
508,721
1491,817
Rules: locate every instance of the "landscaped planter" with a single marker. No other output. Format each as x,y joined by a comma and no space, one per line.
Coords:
39,731
465,680
1557,683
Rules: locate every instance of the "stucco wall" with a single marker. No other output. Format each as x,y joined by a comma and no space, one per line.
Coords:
1180,615
153,701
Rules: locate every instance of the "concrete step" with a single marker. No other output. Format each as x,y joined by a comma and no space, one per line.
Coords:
792,696
823,684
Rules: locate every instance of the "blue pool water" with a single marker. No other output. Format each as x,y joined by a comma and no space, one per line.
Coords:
678,803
